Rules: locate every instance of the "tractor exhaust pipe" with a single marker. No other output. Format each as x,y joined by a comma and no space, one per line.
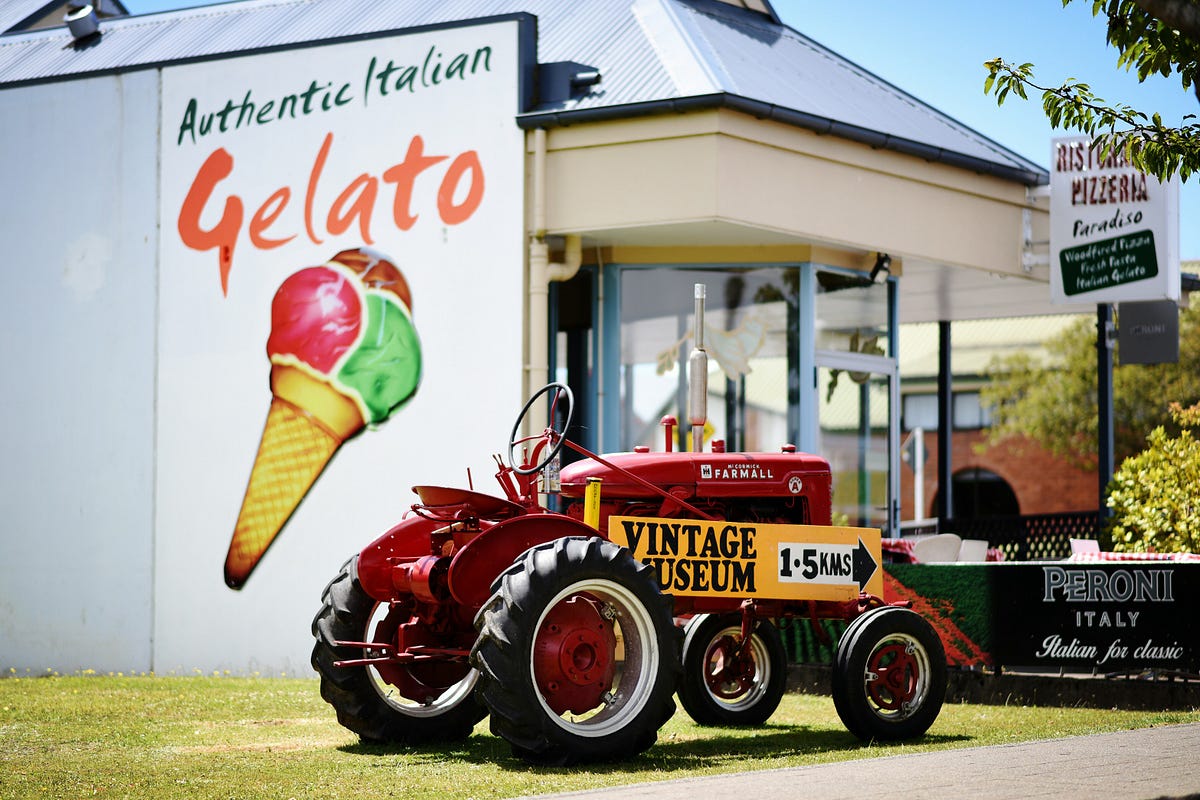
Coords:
698,377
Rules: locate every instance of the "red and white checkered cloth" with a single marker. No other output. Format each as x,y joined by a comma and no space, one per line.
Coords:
1089,558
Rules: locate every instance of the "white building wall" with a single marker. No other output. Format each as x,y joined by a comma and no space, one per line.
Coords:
77,349
137,384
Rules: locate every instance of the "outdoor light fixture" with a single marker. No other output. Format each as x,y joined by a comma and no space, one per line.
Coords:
82,21
559,81
882,268
584,78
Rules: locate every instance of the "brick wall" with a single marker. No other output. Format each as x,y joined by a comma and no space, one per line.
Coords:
1042,483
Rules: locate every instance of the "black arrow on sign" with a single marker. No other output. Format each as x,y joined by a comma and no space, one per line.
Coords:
864,565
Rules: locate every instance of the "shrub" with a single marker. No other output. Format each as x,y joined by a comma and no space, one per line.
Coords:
1153,494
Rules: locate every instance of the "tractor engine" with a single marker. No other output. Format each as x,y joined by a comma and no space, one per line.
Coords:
785,487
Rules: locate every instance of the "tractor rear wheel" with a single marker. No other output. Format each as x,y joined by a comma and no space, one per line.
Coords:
578,654
392,703
889,675
721,687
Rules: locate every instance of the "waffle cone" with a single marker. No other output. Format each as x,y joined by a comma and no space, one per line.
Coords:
297,442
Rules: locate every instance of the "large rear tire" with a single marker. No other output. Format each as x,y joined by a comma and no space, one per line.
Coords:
578,654
440,705
889,675
718,687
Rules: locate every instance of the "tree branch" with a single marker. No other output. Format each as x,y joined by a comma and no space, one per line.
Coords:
1150,145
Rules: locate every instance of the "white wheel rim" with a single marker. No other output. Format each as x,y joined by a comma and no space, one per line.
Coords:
636,672
448,699
762,671
920,657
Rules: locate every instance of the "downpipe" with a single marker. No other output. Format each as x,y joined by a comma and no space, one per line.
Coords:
542,272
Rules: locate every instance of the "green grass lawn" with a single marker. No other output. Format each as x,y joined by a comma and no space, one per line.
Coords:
224,737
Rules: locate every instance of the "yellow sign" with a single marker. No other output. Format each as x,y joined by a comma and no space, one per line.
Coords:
705,558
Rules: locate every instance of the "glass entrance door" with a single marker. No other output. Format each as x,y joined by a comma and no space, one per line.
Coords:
857,391
855,435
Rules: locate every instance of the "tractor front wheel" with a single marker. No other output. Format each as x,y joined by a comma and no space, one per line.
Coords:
390,703
889,675
578,653
725,682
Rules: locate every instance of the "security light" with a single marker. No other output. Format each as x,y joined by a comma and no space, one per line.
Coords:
882,268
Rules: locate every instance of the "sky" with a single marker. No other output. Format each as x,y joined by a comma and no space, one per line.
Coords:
935,49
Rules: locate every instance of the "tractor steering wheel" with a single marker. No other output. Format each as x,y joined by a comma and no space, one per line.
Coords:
553,437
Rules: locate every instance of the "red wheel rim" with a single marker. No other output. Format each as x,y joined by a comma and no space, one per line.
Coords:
727,676
414,689
573,656
893,675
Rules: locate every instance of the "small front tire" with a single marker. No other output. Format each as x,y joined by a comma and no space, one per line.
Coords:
889,675
717,687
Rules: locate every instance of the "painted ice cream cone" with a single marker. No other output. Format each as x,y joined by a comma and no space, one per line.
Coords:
344,354
306,424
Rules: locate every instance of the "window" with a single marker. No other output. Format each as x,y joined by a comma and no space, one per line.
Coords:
748,315
920,411
968,413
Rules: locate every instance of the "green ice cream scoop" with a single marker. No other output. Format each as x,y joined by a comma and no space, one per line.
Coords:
385,368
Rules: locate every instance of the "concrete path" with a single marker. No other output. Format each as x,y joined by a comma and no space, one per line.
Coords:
1144,764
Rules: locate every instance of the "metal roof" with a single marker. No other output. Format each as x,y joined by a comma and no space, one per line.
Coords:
18,13
655,56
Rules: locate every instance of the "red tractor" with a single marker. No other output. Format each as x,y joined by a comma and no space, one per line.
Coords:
664,573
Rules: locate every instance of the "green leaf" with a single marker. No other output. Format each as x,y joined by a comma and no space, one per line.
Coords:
1143,42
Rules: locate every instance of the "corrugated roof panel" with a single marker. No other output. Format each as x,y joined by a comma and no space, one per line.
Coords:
25,58
639,74
729,52
570,33
630,70
14,12
759,60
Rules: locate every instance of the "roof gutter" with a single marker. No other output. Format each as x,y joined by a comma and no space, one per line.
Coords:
1031,176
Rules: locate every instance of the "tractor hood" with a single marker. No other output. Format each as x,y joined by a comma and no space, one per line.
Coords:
700,474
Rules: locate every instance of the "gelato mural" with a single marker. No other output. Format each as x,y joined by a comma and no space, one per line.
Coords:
344,354
320,200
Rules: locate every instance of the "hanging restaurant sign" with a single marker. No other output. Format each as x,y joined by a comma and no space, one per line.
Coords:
1114,231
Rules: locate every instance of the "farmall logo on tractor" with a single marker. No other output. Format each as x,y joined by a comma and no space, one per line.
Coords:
701,558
